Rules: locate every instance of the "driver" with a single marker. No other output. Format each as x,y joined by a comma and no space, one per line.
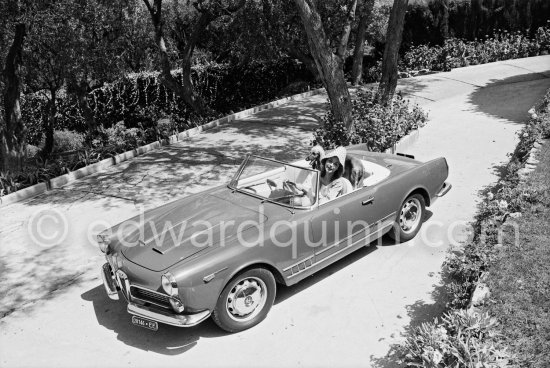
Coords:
333,184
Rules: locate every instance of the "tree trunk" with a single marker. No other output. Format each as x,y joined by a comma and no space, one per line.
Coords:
13,132
184,90
292,48
80,89
204,19
444,22
358,52
330,65
306,59
388,82
49,124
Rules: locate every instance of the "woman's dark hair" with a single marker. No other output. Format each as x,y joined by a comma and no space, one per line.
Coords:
338,174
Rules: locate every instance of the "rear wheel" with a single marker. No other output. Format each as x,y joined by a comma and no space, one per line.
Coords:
409,218
245,300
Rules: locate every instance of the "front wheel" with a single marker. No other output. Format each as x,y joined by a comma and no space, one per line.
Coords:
409,218
245,300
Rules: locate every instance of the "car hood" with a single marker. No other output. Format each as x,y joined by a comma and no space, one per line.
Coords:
171,233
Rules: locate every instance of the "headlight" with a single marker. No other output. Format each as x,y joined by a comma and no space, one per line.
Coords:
169,284
103,240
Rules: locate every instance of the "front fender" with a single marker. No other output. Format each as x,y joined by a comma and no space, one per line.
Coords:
202,279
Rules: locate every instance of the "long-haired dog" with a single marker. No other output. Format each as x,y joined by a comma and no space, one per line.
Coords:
354,170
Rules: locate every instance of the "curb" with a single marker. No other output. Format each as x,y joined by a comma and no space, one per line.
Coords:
532,162
23,194
100,166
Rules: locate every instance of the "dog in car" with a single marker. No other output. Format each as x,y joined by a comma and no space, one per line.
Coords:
354,170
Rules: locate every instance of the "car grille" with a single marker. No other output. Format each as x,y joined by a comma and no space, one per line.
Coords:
150,296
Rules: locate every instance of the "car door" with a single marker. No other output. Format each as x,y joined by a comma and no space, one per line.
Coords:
345,223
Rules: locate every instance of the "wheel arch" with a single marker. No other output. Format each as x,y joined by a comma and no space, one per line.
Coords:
258,264
423,192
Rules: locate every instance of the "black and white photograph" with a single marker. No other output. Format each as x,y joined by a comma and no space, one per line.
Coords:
275,183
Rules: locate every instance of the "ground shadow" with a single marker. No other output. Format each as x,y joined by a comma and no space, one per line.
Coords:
190,166
198,162
504,98
168,340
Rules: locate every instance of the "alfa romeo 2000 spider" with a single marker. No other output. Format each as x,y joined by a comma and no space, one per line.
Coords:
222,252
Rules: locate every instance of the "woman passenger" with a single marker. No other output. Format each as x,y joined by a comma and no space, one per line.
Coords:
333,184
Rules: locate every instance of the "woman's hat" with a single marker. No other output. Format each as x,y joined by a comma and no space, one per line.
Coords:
338,152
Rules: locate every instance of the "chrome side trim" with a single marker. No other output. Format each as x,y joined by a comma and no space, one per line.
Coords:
381,227
211,276
297,263
330,247
178,320
352,235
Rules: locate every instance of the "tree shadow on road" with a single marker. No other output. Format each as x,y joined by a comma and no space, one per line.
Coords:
509,102
190,166
198,162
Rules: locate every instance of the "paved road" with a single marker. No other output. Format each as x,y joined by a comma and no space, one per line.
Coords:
348,315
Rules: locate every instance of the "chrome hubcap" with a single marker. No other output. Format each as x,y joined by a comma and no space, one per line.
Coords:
410,215
246,299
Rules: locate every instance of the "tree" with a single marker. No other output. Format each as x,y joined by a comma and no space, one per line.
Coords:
365,16
208,11
388,81
329,63
12,128
283,27
49,58
95,32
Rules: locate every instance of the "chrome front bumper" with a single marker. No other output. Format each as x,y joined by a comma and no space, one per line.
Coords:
155,314
179,320
109,282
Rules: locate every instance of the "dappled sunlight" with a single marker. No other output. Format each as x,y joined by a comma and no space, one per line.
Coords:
187,167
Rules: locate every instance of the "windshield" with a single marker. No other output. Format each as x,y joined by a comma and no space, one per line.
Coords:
277,181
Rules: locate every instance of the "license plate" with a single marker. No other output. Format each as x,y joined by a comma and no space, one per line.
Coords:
145,323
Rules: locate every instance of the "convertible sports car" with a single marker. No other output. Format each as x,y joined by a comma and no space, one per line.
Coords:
221,252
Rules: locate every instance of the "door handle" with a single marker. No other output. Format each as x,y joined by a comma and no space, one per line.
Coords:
367,201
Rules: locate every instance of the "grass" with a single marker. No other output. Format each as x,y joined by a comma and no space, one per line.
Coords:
519,279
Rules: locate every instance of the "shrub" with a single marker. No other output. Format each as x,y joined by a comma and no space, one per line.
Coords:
140,99
462,339
66,140
123,139
377,126
456,52
166,128
466,265
32,150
